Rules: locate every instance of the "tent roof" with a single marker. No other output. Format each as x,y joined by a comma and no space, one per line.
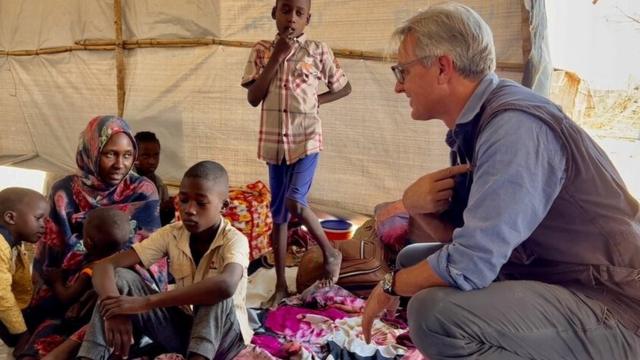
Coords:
191,97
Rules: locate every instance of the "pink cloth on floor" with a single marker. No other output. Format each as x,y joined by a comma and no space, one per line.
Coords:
270,344
414,354
331,296
301,328
289,319
253,352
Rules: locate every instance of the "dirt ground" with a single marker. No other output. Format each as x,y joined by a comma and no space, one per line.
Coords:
615,113
615,124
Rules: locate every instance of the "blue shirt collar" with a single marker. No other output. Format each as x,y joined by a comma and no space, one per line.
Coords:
471,108
7,236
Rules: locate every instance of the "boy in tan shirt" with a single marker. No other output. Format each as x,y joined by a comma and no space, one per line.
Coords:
209,260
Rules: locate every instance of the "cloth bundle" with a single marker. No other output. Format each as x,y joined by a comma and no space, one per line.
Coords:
249,212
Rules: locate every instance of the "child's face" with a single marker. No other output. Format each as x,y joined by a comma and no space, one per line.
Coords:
201,203
29,219
292,17
148,157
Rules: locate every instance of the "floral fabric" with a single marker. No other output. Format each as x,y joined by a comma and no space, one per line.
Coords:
249,212
325,323
392,224
75,195
71,199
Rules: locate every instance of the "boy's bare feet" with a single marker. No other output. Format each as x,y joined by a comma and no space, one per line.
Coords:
332,262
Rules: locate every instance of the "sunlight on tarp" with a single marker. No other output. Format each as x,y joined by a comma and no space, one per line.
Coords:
32,179
599,42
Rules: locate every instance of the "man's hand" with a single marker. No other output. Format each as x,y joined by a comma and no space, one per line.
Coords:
113,306
119,333
431,194
377,302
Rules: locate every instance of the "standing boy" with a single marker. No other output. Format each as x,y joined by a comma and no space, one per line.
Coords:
146,165
23,213
208,258
284,75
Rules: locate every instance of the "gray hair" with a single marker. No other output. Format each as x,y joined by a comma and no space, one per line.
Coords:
455,30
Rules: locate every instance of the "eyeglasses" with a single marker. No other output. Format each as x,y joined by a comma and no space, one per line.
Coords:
400,69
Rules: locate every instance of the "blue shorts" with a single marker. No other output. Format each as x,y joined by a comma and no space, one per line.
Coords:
293,182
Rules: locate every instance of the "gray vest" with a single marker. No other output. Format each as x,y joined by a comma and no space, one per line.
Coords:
589,241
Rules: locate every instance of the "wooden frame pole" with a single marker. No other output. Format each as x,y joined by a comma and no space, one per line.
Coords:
110,45
119,47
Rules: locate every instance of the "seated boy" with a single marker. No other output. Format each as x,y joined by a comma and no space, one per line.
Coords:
23,213
146,165
209,260
106,230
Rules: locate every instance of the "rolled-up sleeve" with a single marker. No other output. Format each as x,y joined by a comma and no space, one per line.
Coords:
331,72
519,171
258,58
236,249
154,248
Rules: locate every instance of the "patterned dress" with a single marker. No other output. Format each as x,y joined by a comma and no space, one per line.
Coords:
71,199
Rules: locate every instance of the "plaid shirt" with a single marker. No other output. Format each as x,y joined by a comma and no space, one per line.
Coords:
290,127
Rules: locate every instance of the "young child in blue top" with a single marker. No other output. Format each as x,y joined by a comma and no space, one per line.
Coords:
283,75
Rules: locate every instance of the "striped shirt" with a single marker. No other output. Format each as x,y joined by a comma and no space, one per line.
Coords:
290,127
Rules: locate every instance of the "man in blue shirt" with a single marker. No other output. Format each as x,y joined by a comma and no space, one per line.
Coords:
541,240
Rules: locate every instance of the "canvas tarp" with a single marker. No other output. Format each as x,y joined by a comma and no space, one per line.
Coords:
192,99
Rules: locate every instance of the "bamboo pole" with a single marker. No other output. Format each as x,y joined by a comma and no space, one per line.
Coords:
119,47
341,53
54,50
525,28
99,45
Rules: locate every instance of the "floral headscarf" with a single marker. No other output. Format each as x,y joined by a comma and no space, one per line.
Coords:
75,195
94,137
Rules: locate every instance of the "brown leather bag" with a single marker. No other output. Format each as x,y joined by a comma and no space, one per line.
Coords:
363,262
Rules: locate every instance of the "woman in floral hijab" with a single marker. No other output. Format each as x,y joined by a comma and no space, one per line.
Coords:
105,157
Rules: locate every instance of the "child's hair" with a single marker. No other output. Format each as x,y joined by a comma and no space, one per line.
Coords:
277,1
111,228
11,198
146,137
210,171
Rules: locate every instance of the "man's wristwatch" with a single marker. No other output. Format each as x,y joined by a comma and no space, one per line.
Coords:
388,282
